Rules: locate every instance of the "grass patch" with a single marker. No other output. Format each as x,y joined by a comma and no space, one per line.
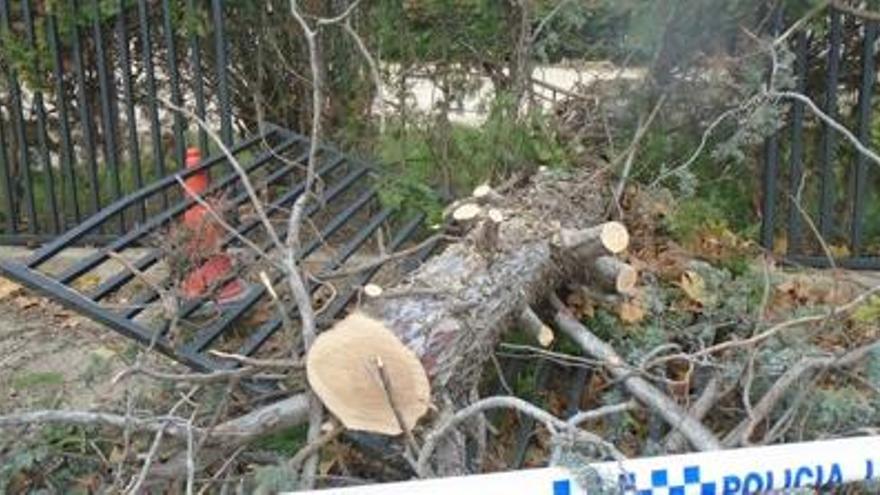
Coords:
38,379
426,163
286,443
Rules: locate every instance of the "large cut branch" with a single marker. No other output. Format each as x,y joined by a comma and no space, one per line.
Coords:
698,435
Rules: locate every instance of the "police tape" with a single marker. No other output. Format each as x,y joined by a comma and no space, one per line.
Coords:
776,468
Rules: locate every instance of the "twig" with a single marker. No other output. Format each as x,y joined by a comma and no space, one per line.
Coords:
245,180
221,470
863,14
630,152
381,260
190,456
385,383
326,21
203,378
157,441
696,154
313,447
295,279
169,301
826,249
796,26
764,407
773,330
374,70
282,311
600,412
261,363
870,154
553,424
538,30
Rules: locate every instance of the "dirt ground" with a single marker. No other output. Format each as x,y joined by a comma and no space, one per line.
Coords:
51,357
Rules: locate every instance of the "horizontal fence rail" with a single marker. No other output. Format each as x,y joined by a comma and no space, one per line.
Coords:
87,96
821,197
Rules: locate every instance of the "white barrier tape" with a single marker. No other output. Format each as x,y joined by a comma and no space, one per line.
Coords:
727,472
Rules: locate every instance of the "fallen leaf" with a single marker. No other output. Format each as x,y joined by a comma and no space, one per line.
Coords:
840,251
694,286
8,288
630,312
116,455
868,312
581,305
26,302
86,283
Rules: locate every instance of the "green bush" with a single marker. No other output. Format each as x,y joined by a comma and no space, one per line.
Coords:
426,163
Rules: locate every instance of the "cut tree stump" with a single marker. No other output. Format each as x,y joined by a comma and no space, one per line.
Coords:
342,370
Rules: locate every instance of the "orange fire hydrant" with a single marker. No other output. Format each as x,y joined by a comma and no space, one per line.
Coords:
204,245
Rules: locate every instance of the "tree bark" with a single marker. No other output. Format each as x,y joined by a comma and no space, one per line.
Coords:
455,334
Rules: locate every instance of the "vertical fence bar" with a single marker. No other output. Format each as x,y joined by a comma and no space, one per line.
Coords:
222,87
85,117
771,168
179,139
11,215
108,122
198,79
68,184
17,113
40,109
155,133
864,134
134,147
826,200
796,176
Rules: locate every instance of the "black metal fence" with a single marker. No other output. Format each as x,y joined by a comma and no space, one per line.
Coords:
348,215
821,196
85,118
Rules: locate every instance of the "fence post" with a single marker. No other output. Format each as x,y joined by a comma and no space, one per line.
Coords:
17,113
826,200
222,84
864,134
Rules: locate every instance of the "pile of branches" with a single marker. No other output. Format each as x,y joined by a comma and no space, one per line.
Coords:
410,367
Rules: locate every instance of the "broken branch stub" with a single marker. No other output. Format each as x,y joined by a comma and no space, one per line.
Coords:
373,290
532,324
341,369
614,275
485,194
466,212
603,239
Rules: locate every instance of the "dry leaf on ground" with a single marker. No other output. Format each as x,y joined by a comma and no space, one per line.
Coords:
630,312
8,288
694,287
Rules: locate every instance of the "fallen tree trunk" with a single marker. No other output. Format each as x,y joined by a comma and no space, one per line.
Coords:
543,240
452,310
